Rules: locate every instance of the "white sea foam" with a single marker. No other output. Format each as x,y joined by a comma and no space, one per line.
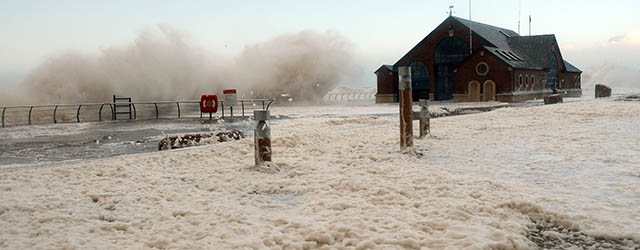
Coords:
481,182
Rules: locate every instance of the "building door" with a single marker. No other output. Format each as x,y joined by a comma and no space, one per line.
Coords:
474,91
450,52
489,90
445,83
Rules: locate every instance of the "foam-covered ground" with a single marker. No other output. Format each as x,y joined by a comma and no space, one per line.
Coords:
482,181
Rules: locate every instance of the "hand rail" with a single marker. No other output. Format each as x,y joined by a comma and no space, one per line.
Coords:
8,116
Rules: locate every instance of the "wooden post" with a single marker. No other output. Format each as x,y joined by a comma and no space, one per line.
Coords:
406,112
425,118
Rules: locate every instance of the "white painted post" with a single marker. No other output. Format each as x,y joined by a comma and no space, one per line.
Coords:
262,138
425,118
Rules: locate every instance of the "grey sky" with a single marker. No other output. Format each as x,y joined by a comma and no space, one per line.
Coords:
382,31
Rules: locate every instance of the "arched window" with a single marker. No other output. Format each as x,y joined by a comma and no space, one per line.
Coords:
419,75
526,81
419,80
451,51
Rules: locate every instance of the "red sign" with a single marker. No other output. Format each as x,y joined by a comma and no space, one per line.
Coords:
209,103
229,97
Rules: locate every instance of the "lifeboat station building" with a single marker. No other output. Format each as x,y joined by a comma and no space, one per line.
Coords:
494,64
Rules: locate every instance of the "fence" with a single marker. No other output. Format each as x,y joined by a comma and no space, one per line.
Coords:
349,96
93,112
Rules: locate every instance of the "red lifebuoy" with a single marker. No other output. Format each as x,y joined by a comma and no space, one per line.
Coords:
209,103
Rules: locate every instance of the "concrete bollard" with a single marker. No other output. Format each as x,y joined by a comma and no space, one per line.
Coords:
425,118
262,138
602,91
406,112
553,99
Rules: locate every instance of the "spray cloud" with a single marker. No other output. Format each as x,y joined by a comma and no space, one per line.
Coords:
163,64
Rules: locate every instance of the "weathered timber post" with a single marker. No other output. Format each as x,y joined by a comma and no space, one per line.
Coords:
406,112
262,138
425,118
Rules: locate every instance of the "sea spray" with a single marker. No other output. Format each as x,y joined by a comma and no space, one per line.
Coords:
164,64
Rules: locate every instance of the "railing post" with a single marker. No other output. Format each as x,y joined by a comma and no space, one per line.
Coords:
114,109
156,105
3,110
100,112
268,105
78,113
263,104
30,109
54,114
113,112
242,103
406,112
222,105
178,104
135,114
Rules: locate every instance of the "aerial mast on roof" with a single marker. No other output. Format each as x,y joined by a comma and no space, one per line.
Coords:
529,25
470,31
519,11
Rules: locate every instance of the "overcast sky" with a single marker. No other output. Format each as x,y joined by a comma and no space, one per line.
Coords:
382,31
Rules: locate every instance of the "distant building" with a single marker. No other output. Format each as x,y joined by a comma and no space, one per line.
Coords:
502,66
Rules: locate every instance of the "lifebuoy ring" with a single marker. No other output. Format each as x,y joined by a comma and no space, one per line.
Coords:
209,104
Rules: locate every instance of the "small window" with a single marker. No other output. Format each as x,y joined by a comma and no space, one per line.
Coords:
526,81
533,81
482,69
520,81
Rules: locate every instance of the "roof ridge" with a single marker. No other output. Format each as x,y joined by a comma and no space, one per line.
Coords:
489,25
535,36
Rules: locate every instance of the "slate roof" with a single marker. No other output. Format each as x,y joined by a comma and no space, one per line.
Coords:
521,52
389,67
492,34
571,68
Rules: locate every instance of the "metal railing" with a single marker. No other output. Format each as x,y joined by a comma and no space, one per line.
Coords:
349,96
93,112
